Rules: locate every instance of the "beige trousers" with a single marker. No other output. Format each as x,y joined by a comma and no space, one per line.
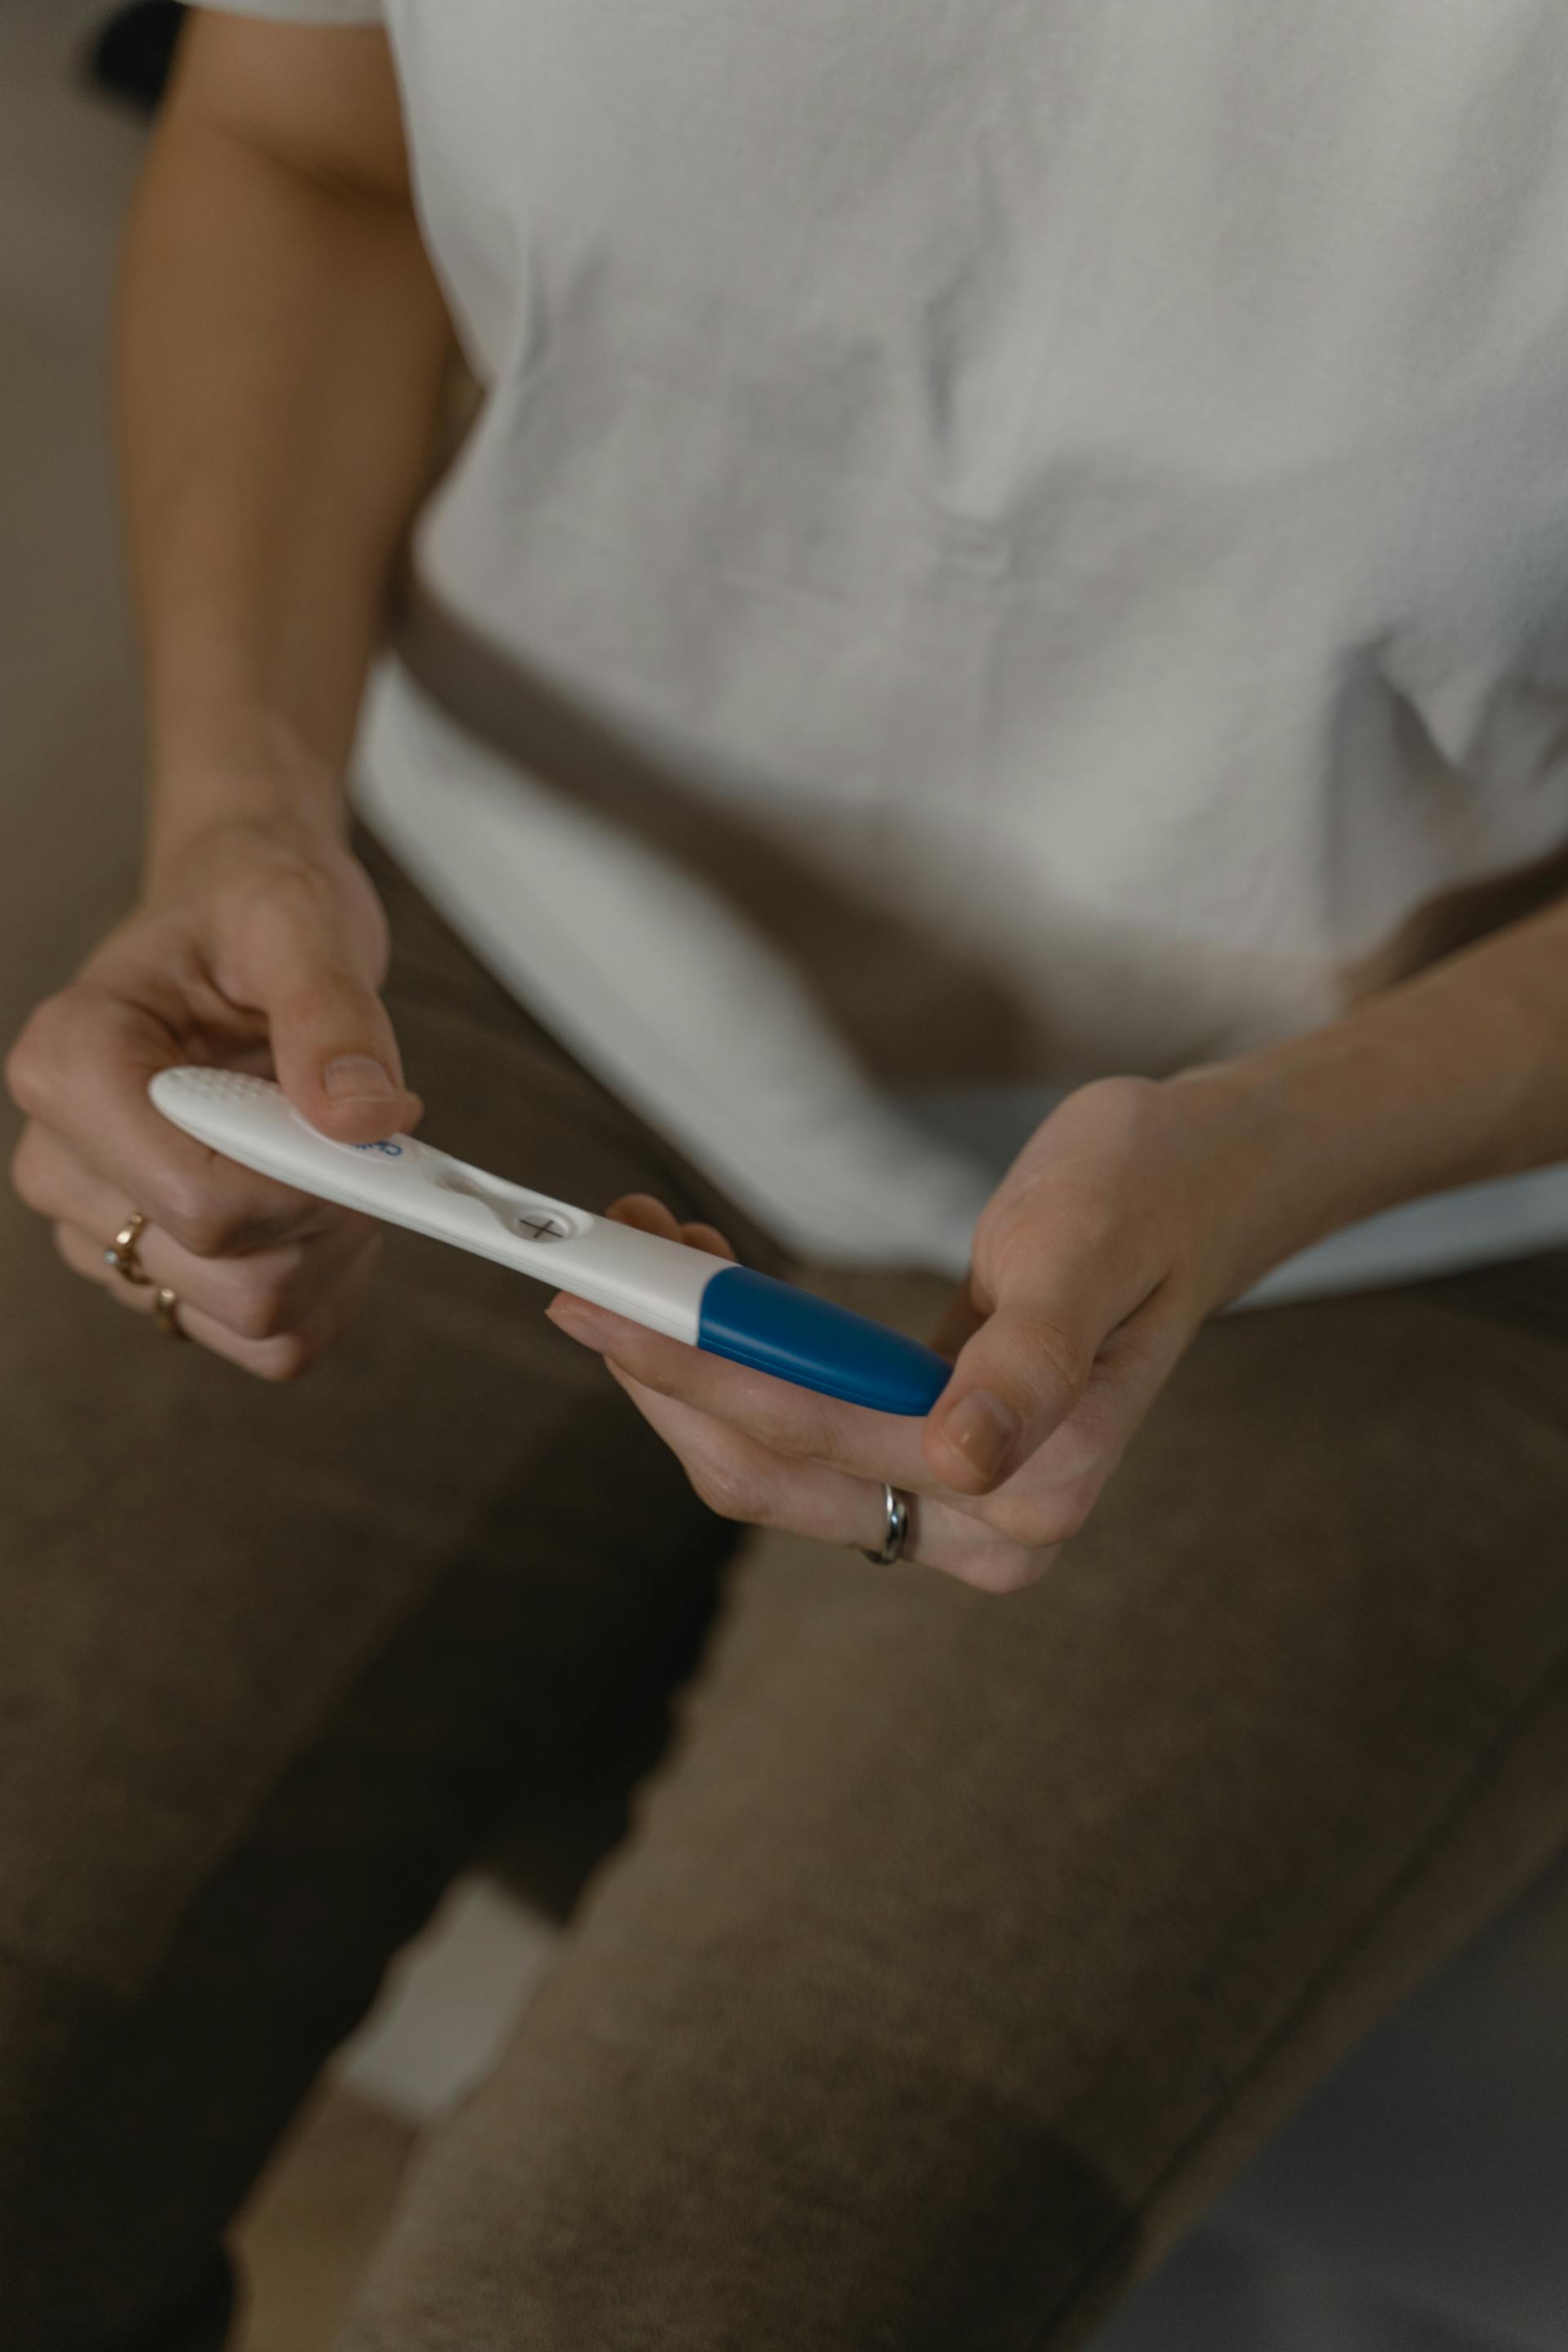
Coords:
957,1950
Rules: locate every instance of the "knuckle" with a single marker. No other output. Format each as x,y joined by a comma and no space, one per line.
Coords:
27,1176
1043,1525
1092,1222
19,1083
322,998
1131,1109
1122,1119
1063,1531
194,1215
1000,1569
724,1487
264,1303
287,1265
66,1247
261,1311
36,1061
287,1359
277,888
1018,1573
1083,1453
1064,1357
807,1433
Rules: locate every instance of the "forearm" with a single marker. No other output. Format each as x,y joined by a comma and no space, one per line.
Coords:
283,349
1456,1076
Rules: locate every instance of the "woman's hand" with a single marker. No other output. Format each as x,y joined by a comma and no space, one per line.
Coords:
260,947
1117,1232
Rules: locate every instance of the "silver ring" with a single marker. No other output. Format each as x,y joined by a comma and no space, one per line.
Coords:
897,1533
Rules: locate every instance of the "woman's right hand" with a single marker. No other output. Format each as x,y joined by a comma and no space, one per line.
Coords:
260,948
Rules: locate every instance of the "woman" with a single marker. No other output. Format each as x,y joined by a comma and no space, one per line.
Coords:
985,694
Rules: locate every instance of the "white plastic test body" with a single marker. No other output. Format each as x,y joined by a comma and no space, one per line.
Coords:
686,1294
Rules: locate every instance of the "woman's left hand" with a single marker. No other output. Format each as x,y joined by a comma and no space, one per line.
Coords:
1121,1227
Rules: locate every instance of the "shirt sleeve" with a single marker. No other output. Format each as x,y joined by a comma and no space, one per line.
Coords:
302,12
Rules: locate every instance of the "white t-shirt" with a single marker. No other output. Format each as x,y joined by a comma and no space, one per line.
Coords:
1001,545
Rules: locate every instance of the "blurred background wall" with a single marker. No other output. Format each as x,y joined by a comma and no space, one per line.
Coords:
68,730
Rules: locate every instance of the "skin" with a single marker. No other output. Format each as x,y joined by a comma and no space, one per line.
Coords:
1137,1210
282,353
283,350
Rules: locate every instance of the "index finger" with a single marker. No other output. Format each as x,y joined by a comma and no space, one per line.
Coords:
884,1446
83,1068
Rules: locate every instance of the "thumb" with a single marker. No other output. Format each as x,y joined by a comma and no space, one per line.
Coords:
1023,1372
333,1049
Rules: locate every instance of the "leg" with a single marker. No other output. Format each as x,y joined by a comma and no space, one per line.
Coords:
273,1664
966,1946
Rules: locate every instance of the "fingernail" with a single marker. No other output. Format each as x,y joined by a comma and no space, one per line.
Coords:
578,1322
983,1431
357,1079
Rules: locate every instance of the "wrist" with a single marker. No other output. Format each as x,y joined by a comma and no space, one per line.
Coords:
1198,1175
1318,1133
1251,1188
245,773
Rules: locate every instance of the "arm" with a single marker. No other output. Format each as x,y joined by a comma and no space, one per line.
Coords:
1136,1211
1454,1076
284,349
282,353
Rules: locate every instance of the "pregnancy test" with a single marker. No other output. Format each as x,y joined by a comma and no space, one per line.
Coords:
687,1294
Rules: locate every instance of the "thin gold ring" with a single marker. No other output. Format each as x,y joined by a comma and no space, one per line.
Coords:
121,1252
165,1317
